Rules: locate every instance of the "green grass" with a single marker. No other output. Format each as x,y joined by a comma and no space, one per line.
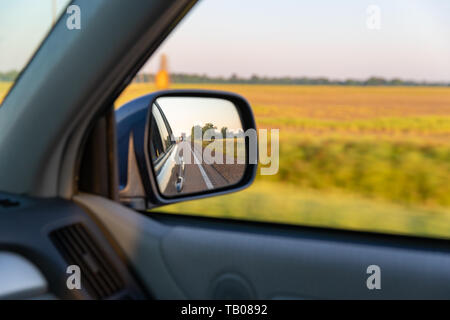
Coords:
281,203
400,172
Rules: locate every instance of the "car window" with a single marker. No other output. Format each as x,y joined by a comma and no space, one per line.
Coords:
156,143
23,26
359,94
162,128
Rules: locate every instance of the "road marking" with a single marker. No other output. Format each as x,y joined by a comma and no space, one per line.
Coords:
208,183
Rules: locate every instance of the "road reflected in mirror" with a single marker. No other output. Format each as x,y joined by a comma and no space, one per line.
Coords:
196,144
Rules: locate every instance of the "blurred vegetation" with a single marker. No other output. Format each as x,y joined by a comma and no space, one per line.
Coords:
8,76
275,202
400,172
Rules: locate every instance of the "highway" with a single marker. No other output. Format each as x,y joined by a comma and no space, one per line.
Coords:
200,176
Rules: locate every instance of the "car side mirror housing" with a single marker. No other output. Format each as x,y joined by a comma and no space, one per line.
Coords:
179,145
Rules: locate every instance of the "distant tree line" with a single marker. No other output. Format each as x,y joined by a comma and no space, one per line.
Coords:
9,76
255,79
198,132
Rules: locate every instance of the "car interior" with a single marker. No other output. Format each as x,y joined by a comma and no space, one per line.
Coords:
66,196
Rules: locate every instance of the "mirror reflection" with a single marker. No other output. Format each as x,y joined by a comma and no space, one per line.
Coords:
196,144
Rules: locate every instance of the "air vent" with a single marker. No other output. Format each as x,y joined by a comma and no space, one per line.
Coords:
77,247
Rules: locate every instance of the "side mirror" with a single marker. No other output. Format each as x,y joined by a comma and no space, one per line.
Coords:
184,144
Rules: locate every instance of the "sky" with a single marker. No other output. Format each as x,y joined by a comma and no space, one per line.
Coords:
312,38
23,26
183,113
296,38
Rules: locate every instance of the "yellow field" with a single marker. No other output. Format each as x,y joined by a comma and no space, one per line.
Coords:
4,87
416,113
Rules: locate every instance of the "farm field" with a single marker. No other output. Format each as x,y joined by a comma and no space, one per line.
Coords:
359,158
4,87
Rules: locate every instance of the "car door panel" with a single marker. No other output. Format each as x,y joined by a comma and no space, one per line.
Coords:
299,266
195,258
